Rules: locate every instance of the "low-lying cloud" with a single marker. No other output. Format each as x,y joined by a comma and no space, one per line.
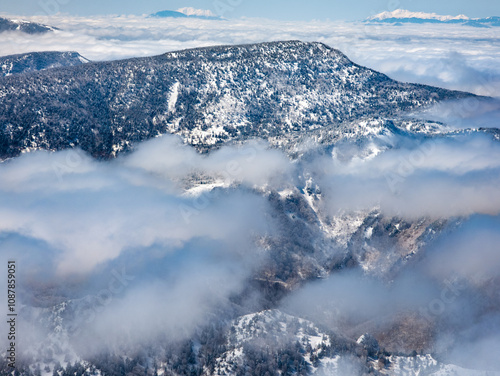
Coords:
471,113
451,290
436,177
126,238
92,211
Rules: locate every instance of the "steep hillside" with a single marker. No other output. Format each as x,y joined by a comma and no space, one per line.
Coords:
207,96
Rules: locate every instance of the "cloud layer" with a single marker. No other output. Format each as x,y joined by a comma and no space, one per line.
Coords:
91,211
128,236
451,56
434,177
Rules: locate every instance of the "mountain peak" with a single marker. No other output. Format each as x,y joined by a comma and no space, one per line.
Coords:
403,13
187,12
190,11
292,48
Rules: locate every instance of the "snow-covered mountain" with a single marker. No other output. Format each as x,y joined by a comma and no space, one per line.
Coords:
190,11
24,26
186,12
399,16
253,336
208,96
269,342
38,61
404,14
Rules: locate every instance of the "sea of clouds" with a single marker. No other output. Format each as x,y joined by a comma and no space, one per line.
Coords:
452,56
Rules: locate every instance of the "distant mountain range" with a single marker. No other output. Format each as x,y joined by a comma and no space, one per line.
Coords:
400,16
38,61
206,95
186,12
24,26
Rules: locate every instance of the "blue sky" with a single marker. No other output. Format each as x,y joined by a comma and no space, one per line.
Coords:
277,9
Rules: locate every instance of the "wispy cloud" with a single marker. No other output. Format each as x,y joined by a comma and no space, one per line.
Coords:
436,178
73,223
451,291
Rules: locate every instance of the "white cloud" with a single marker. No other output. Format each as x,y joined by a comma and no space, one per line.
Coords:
463,114
437,178
91,212
167,156
70,221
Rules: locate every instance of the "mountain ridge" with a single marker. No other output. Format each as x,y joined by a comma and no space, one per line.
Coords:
38,61
207,95
24,26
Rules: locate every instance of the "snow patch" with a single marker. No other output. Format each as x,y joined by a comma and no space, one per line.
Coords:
172,100
190,11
